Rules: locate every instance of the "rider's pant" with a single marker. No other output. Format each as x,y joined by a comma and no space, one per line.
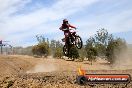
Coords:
66,33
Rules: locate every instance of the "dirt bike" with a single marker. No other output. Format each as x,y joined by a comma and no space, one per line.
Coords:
72,39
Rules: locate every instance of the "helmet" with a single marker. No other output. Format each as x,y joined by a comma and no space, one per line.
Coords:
65,21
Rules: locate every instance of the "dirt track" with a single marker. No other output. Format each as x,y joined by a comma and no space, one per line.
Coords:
25,71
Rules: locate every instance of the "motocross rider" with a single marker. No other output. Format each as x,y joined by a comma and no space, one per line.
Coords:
65,27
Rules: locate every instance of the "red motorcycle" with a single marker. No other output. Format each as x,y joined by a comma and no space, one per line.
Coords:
71,39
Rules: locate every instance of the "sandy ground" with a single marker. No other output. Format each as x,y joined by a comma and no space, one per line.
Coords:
29,72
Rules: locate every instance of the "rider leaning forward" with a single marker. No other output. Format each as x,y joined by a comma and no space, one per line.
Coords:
65,27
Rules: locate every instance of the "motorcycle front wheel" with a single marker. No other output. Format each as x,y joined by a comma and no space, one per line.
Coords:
78,42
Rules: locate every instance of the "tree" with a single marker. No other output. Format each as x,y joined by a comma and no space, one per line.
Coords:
73,53
101,50
114,49
56,48
41,38
42,49
52,47
102,38
82,53
35,50
91,54
104,44
58,53
91,51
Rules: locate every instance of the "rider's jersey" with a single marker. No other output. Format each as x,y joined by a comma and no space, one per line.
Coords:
66,26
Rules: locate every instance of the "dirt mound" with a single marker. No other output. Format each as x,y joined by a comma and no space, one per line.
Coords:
57,80
26,71
13,65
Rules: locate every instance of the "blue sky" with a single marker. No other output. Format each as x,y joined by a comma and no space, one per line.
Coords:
22,20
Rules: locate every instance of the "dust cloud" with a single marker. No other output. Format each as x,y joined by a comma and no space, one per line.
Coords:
43,66
123,61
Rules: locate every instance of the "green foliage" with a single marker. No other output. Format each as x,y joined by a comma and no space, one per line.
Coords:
35,50
52,47
91,51
56,48
73,53
114,49
104,44
101,44
91,54
58,53
90,42
41,39
82,53
42,49
102,38
101,49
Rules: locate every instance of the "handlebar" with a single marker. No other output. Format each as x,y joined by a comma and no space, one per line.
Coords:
69,29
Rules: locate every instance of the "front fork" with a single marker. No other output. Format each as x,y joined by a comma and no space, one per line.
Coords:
73,38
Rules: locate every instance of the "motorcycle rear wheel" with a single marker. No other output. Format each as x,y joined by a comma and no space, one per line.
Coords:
65,50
